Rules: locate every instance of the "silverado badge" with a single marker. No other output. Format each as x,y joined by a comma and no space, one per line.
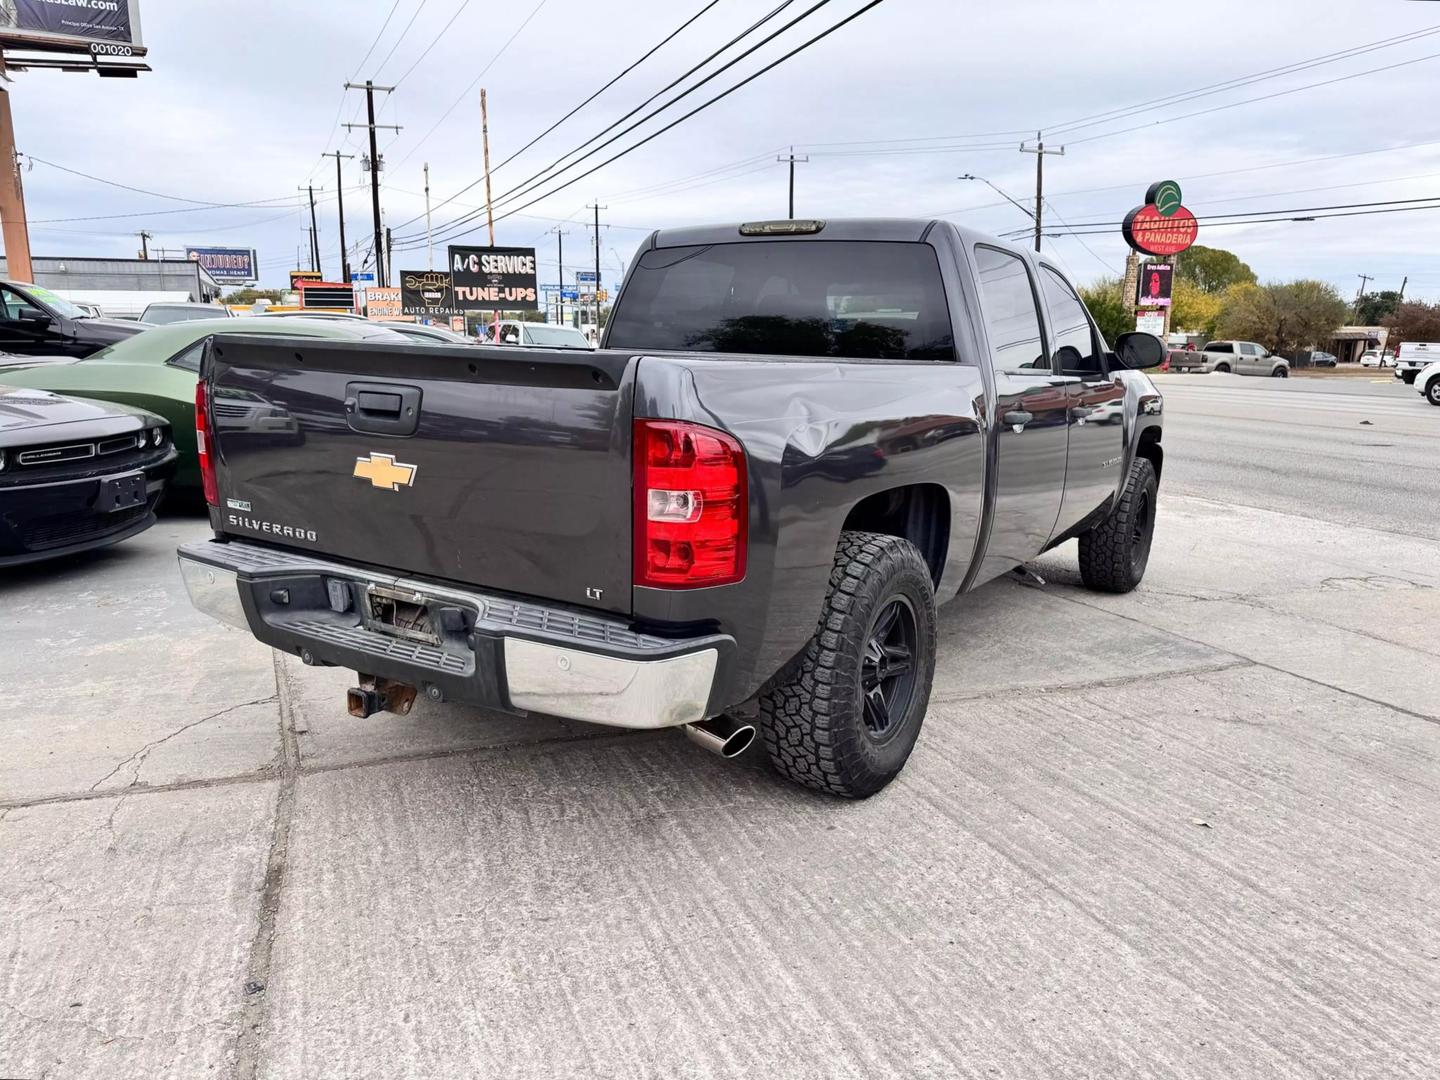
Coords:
383,471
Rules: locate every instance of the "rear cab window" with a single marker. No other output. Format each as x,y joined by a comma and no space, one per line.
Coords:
854,299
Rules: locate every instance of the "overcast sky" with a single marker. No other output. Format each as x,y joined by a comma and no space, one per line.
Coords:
243,101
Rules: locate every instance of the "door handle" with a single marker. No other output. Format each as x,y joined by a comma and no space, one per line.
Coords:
1017,418
1079,412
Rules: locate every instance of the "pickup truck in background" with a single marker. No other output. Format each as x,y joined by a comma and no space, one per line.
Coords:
1244,358
738,514
1413,357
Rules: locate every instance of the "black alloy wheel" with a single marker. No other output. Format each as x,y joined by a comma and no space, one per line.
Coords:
887,669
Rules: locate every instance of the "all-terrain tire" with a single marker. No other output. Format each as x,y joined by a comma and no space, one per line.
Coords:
818,719
1115,551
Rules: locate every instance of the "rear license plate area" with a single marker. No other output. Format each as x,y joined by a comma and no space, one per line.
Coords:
121,492
400,613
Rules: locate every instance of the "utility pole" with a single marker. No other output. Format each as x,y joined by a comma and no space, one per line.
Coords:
1404,281
429,243
1039,151
1365,279
485,147
389,250
597,208
375,164
792,159
314,230
12,194
145,239
560,257
340,194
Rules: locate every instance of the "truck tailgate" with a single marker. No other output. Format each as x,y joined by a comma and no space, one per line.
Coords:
503,468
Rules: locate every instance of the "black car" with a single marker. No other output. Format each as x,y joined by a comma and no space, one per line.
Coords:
76,474
36,322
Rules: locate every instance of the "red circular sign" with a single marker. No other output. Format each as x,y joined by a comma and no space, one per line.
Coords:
1148,230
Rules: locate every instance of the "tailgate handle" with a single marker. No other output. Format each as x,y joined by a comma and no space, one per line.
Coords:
382,408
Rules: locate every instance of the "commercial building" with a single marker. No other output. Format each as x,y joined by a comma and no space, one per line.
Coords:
1348,342
122,287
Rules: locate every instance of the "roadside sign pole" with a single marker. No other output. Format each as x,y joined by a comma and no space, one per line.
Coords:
12,196
485,150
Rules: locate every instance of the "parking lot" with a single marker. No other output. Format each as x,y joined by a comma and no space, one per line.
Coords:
1188,832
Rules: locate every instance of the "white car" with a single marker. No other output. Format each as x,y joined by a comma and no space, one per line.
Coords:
1427,381
1376,358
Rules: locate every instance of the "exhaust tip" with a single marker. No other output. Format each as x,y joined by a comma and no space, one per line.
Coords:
722,736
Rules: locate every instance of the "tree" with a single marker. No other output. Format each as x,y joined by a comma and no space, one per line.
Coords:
1194,309
1283,318
249,296
1413,321
1108,308
1212,269
1375,307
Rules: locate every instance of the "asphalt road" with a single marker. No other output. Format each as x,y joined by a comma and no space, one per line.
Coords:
1186,833
1354,452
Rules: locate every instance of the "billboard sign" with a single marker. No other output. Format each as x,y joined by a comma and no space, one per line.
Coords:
227,265
1156,282
486,278
111,27
427,293
1150,323
587,277
298,276
382,303
1162,226
327,294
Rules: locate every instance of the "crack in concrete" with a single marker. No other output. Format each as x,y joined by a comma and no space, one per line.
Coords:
253,1012
138,758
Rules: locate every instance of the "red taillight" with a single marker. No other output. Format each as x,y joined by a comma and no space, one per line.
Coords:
203,439
691,509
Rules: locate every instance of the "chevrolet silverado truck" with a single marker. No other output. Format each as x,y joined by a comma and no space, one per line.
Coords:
737,515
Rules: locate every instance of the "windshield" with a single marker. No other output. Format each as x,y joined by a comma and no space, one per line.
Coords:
561,337
863,299
161,316
57,304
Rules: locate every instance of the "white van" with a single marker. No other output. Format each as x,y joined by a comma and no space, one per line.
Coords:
1415,355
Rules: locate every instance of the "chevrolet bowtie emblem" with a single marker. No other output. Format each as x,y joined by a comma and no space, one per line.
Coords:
383,471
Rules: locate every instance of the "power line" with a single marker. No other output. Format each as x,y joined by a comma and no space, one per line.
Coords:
699,108
1301,213
401,38
434,41
551,171
464,93
204,203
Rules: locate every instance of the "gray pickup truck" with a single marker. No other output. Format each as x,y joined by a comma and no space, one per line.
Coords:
739,513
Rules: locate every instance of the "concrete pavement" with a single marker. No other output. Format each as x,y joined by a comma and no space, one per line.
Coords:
1184,833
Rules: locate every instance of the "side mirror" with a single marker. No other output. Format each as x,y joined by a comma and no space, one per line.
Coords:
33,315
1137,350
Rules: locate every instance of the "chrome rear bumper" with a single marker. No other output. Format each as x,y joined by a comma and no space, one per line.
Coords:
489,650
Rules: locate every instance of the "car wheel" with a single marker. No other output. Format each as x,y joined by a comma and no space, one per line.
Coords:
1432,391
1115,552
1408,377
1280,373
845,715
1223,369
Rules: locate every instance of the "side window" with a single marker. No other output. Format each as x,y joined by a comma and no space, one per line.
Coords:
1076,352
1220,347
10,305
189,359
1246,349
1012,316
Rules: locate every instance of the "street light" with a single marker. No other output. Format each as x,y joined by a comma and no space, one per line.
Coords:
1019,206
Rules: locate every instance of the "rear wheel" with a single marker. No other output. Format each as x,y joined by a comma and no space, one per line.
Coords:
844,718
1223,369
1115,552
1408,377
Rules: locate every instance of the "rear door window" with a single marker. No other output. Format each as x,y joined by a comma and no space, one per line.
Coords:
1220,347
1012,313
863,300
